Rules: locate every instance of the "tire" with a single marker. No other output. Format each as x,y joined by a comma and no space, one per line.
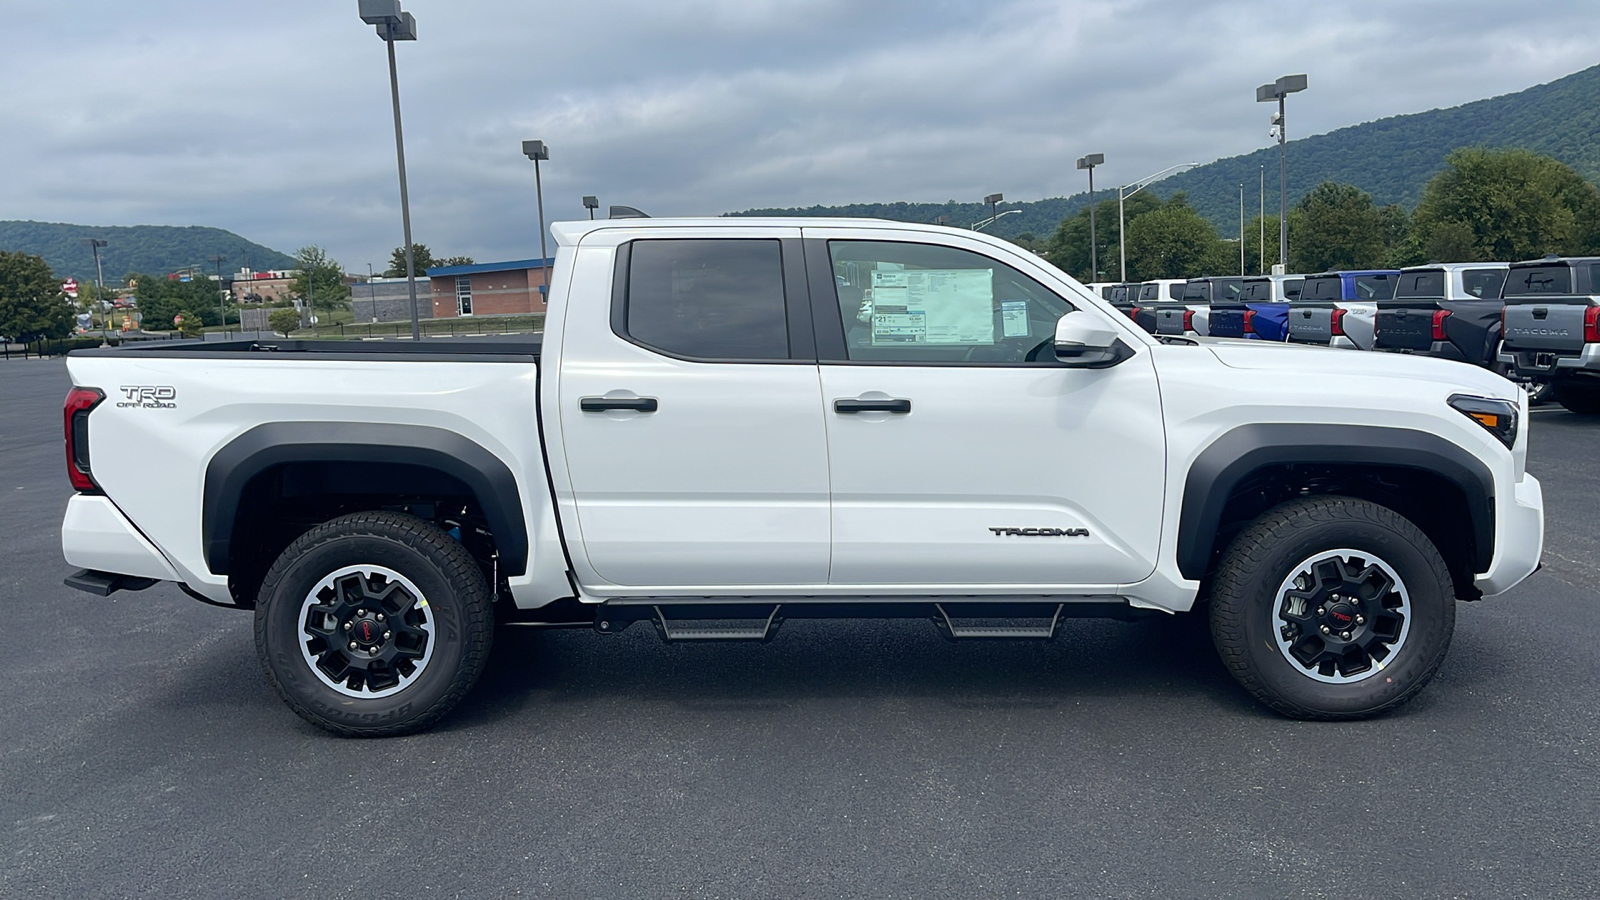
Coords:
412,598
1342,559
1581,399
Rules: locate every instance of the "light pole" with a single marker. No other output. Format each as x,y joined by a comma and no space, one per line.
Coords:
372,294
1241,229
1089,162
1278,90
222,304
536,151
591,204
1122,197
99,277
394,25
1261,258
979,226
994,200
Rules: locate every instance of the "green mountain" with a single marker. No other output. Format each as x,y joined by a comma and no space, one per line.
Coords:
1391,159
151,249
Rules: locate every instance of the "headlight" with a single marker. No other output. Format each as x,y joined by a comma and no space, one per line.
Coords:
1499,417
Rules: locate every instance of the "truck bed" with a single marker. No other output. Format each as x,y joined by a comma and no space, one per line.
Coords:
522,349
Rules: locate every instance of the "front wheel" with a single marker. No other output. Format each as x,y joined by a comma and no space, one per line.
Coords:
1332,608
374,624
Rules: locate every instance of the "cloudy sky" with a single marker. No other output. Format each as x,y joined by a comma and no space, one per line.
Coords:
272,119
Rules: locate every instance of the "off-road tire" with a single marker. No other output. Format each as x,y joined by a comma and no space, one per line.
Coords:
1581,399
454,591
1246,603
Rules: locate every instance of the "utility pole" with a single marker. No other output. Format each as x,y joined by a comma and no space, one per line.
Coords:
537,151
1089,162
222,305
99,276
396,25
1261,258
1241,229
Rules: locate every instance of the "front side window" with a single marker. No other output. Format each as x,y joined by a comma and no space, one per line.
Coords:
1421,285
913,303
463,295
708,299
1484,284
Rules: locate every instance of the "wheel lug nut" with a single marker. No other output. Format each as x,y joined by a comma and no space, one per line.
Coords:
1345,635
361,612
1361,620
386,635
347,626
352,645
380,617
1322,610
1325,630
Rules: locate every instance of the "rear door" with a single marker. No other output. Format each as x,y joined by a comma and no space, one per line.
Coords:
690,423
960,451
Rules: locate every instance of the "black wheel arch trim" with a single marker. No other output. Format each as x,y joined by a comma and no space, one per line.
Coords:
265,446
1233,457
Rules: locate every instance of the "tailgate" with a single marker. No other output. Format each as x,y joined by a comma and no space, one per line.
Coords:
1227,321
1554,324
1169,319
1405,327
1310,324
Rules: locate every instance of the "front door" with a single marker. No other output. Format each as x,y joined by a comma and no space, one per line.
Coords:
960,451
694,449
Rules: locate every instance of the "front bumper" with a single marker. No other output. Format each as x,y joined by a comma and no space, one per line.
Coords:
1518,540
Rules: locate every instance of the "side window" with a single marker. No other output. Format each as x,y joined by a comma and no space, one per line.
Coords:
707,299
907,302
1483,283
1291,288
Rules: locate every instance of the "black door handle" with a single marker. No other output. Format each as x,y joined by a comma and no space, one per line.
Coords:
601,404
861,406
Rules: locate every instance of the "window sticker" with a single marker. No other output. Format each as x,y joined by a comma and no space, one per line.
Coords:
1014,318
933,306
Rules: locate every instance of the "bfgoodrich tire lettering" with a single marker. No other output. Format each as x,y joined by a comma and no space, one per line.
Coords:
374,624
1375,565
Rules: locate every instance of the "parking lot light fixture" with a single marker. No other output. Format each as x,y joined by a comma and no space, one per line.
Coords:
994,200
392,25
1089,162
591,203
1122,196
536,151
1278,90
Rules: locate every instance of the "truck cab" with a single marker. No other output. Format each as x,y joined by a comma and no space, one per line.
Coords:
1552,327
1261,312
1448,310
1338,309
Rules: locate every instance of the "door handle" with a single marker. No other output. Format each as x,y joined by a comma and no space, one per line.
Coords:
601,404
860,406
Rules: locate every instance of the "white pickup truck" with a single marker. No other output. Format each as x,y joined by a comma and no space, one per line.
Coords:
712,437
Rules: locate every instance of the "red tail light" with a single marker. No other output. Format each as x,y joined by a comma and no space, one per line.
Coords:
75,428
1438,323
1336,323
1133,313
1249,321
1591,325
1188,319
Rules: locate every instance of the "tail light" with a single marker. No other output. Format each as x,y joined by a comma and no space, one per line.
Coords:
75,427
1188,319
1336,323
1438,323
1133,313
1249,321
1591,325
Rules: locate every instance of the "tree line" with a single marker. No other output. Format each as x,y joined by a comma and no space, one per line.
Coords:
1486,205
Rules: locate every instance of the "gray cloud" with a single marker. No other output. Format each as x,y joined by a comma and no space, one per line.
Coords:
273,120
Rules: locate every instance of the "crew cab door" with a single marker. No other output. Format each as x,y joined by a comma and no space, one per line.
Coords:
960,451
691,437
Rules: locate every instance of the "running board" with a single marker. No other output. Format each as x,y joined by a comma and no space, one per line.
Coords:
958,631
717,629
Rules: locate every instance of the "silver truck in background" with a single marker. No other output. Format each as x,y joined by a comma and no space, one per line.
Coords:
1552,328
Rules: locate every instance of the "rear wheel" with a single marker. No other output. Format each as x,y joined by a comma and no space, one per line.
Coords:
374,624
1332,608
1579,398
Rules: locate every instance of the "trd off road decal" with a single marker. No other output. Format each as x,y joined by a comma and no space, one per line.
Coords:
147,396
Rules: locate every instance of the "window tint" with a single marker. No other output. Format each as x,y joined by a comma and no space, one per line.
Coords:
1197,292
1375,287
1483,283
1292,288
924,303
1323,288
1535,280
708,299
1149,293
1122,293
1256,292
1427,285
1226,290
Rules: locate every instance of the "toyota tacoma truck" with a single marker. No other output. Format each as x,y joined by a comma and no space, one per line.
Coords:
1448,310
708,438
1261,310
1552,328
1190,315
1339,309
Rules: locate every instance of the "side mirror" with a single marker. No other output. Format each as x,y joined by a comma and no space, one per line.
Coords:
1084,342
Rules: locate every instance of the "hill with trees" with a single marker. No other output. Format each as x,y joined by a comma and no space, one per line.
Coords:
151,249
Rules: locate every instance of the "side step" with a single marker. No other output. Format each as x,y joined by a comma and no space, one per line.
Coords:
717,629
104,584
955,628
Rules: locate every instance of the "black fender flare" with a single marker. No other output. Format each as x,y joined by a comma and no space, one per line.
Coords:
1231,458
255,451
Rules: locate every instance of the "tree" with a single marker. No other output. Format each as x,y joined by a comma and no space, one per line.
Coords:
31,304
1176,242
283,321
1503,205
319,282
454,261
162,298
1342,229
421,261
1068,248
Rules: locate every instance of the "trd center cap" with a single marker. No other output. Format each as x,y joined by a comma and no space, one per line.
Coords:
1341,617
367,632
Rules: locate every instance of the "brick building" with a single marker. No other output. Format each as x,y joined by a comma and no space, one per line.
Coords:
489,289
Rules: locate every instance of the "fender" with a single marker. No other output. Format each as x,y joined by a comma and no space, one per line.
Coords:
1231,458
259,449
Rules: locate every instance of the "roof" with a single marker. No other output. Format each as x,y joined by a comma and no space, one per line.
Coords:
1451,267
477,268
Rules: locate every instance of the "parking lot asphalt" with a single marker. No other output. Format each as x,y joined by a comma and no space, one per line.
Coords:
142,752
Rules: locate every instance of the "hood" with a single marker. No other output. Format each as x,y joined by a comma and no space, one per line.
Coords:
1292,358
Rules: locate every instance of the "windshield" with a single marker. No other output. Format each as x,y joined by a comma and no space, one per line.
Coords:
1226,290
1375,287
1427,285
1483,283
1323,287
1536,280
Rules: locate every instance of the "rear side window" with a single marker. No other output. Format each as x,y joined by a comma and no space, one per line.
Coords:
1120,294
1292,288
1197,292
1375,287
1257,292
1425,285
1328,288
1484,284
1535,280
708,299
1226,291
